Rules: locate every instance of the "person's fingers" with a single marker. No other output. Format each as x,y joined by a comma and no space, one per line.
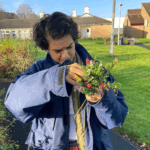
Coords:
71,80
77,65
78,72
93,98
99,91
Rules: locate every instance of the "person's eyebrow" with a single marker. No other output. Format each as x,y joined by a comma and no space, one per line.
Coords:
61,49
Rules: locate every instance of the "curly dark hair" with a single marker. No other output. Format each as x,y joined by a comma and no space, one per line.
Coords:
56,25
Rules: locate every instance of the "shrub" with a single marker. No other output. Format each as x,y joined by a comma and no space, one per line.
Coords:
14,58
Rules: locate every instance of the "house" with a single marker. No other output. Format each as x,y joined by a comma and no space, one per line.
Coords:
88,25
137,22
116,25
91,26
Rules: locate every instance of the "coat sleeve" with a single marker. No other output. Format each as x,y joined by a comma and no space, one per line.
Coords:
30,91
111,109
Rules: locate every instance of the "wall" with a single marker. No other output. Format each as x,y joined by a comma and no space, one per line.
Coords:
137,31
146,16
23,35
99,31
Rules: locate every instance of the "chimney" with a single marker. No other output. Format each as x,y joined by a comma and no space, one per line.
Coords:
41,14
86,9
74,13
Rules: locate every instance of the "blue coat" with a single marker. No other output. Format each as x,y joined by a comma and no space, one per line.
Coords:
36,96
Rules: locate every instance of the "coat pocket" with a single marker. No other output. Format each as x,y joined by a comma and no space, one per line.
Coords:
38,140
44,126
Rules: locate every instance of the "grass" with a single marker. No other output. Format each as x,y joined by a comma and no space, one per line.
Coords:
144,41
132,71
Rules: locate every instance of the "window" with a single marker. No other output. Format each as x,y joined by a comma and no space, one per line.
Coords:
6,34
14,35
19,32
87,30
145,22
2,34
31,33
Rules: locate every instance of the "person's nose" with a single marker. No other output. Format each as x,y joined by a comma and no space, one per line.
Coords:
65,54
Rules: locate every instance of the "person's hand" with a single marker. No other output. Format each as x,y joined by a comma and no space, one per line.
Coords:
96,97
73,69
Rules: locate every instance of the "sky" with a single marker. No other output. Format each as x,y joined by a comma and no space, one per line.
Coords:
99,8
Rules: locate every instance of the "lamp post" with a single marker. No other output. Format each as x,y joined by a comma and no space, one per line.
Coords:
112,30
119,23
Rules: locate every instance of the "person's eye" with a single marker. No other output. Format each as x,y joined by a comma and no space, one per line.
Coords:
69,47
58,51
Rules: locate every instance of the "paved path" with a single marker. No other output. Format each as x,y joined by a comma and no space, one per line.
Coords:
20,131
145,46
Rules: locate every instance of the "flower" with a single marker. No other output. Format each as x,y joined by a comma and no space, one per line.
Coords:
102,86
100,65
95,77
88,70
77,77
116,59
87,62
88,86
115,91
91,62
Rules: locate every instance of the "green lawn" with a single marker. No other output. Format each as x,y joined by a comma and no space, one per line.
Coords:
133,72
144,41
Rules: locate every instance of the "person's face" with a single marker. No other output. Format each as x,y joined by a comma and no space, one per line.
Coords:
62,49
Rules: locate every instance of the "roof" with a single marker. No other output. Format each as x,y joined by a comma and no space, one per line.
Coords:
134,16
133,11
136,19
17,23
147,7
93,20
29,23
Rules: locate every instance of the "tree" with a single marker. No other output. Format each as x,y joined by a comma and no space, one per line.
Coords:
2,13
24,11
33,16
6,15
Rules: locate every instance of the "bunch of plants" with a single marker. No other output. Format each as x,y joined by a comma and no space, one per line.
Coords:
94,77
14,59
6,141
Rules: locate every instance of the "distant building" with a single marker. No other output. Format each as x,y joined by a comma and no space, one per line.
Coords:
137,22
88,25
116,25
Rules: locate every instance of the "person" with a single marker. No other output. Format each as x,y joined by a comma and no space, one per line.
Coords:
43,94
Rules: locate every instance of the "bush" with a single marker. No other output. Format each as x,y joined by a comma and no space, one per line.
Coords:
15,57
5,139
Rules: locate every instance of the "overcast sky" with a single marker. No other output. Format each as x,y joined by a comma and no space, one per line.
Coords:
99,8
